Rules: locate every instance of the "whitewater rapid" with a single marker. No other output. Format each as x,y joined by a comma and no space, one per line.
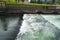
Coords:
39,27
54,19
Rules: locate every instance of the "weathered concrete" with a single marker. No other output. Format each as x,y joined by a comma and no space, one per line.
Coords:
23,10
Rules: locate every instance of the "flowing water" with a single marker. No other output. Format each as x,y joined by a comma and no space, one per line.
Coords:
34,27
9,26
39,27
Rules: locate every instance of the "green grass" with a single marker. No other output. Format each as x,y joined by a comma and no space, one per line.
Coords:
24,4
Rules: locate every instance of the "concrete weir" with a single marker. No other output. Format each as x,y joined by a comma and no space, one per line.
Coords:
11,19
11,8
9,25
44,10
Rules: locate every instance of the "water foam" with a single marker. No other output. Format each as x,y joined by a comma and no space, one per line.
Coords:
35,27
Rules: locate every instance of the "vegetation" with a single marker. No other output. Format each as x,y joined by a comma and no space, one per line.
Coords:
33,3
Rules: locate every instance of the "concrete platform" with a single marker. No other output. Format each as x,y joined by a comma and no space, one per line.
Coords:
29,10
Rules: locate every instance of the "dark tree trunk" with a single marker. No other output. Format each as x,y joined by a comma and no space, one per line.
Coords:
53,1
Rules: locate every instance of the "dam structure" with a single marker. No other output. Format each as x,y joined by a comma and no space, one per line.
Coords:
12,8
44,9
26,7
12,17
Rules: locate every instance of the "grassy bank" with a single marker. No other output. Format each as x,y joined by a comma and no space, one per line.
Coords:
24,4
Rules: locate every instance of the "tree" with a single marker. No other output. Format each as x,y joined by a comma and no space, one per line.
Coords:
39,1
33,1
45,1
53,1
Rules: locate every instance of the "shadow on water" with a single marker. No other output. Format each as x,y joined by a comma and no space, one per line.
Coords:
9,25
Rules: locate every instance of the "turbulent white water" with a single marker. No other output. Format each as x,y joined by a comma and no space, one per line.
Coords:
54,19
39,27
